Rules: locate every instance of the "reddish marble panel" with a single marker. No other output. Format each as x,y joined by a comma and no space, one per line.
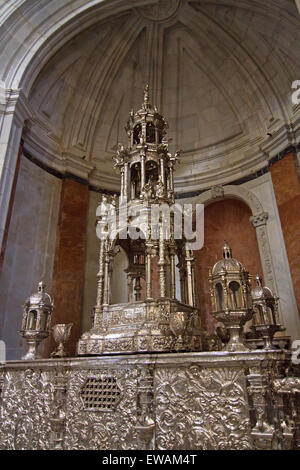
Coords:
285,179
68,274
227,219
287,192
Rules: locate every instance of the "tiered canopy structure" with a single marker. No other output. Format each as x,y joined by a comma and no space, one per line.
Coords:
149,321
146,166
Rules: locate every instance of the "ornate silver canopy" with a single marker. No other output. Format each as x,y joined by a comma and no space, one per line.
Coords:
149,321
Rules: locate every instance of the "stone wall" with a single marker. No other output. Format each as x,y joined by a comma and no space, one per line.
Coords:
29,253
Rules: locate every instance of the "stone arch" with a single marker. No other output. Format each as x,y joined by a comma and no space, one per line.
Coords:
33,33
217,193
41,34
36,33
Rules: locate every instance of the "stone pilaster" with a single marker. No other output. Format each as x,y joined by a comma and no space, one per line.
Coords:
10,206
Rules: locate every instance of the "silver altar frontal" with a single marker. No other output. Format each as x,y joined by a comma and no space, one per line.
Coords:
147,375
207,400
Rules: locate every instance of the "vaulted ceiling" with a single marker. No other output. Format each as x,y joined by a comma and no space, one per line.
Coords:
220,71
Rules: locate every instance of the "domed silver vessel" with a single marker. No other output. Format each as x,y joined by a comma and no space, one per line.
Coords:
231,297
36,321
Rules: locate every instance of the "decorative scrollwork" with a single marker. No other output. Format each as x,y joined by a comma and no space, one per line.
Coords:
217,192
289,385
162,404
27,398
201,408
259,219
91,430
160,11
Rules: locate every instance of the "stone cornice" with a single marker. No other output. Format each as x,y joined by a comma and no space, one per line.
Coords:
109,182
255,159
281,136
50,160
248,150
14,102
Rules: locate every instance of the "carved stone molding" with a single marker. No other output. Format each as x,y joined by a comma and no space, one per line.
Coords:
259,219
217,192
160,11
234,192
266,258
259,222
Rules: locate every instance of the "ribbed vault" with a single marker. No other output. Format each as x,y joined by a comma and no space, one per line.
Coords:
221,73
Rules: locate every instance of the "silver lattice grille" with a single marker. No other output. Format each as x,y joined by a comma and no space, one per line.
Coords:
100,394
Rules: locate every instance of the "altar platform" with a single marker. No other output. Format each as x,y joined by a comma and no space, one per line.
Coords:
179,401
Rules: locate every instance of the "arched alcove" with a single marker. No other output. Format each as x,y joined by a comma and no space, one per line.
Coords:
73,71
226,219
119,284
